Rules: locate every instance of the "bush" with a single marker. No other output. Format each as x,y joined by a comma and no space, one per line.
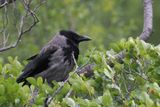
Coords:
131,81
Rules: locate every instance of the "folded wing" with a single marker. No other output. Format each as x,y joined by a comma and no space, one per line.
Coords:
38,63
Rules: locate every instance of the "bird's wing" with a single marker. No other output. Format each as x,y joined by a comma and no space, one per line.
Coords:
39,63
61,63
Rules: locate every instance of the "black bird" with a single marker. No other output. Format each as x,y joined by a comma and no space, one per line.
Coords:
55,60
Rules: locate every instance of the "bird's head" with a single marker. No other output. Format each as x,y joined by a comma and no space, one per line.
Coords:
74,36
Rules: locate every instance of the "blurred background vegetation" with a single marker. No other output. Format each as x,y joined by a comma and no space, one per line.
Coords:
132,82
105,21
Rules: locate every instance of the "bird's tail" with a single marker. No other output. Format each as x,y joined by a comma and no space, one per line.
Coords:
20,79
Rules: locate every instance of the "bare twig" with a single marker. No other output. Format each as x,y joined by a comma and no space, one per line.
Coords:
4,3
21,31
34,94
69,93
4,30
148,23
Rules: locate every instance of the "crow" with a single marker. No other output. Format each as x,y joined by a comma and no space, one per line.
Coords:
55,60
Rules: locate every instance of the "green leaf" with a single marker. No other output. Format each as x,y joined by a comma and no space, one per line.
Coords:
39,81
70,102
32,80
17,101
107,73
148,101
107,99
2,89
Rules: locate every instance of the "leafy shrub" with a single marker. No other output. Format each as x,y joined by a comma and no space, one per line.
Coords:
130,81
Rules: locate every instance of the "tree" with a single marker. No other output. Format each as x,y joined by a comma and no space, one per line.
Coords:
23,27
126,75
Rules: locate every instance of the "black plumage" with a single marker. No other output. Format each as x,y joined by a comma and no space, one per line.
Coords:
55,60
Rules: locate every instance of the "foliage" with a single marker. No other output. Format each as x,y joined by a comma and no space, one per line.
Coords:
133,81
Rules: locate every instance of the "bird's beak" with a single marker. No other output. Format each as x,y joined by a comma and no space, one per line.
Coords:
84,38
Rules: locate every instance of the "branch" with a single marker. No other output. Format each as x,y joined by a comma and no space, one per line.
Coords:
29,13
147,28
4,3
148,23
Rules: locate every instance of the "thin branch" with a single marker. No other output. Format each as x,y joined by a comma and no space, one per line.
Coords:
148,20
69,93
5,23
34,94
4,3
22,31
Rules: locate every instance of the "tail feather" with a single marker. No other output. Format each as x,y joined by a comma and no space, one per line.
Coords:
21,79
